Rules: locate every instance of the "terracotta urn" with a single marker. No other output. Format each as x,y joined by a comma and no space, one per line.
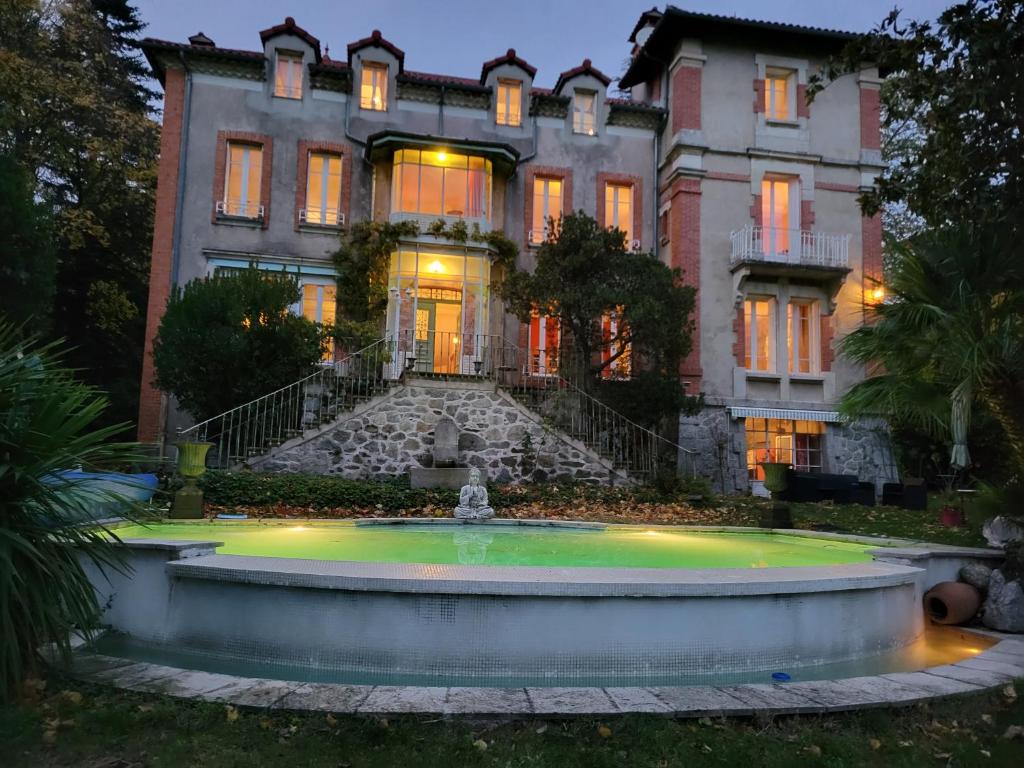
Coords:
952,602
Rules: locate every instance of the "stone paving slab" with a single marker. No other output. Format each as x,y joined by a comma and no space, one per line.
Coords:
778,699
325,697
701,700
403,698
637,700
980,677
933,685
487,701
570,701
1011,669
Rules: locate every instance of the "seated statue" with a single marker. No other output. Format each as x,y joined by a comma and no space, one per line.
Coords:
473,500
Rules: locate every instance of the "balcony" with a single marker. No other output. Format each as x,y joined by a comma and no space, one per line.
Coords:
754,245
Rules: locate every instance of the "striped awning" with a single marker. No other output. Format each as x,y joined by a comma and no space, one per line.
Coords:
742,412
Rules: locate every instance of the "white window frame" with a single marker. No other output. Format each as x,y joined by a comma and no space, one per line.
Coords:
790,78
612,221
243,200
750,333
581,117
378,72
506,88
293,64
538,365
770,231
325,209
540,235
813,336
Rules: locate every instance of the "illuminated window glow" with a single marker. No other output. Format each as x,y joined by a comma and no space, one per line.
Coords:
243,179
373,90
509,103
759,334
788,441
288,75
323,188
584,112
618,209
441,183
779,94
547,205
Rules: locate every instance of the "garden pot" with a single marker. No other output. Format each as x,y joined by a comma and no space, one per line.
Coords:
192,459
952,602
188,501
951,518
775,481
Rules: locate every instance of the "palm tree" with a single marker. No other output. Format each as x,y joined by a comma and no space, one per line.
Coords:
949,336
47,533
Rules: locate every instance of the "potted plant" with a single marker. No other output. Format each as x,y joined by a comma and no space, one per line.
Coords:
188,501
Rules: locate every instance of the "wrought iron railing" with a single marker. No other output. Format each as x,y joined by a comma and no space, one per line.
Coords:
790,246
253,429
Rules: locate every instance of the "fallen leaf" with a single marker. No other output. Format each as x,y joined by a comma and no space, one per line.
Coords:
49,737
874,744
705,749
987,718
604,731
480,744
542,728
231,712
331,720
72,697
985,752
1010,692
905,743
1014,732
942,755
814,750
145,707
266,723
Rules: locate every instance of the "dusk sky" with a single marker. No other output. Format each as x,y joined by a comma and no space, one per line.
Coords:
455,37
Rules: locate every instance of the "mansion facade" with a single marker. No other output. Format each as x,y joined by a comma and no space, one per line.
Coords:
709,157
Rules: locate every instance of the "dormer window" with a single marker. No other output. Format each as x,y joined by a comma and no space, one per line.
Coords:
373,91
780,94
510,98
584,112
288,75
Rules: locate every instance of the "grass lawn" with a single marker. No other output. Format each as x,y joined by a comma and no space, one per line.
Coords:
67,724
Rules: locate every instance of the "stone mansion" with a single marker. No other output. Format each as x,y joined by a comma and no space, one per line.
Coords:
710,158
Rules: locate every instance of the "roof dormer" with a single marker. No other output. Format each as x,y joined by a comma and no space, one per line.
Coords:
384,48
587,88
291,36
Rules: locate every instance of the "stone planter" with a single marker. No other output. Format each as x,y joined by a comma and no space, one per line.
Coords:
188,501
952,602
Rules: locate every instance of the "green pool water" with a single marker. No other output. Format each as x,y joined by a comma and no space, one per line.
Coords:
612,547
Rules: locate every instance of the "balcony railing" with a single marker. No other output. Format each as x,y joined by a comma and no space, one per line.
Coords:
425,220
790,246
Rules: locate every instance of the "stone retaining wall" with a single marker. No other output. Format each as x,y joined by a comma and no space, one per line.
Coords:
395,432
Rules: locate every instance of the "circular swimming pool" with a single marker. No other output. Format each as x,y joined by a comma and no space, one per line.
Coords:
594,546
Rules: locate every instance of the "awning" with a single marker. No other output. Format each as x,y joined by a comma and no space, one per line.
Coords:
742,412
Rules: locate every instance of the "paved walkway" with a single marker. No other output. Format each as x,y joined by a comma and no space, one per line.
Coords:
994,667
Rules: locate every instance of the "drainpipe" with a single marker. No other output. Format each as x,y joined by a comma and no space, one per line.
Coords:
440,111
657,161
182,169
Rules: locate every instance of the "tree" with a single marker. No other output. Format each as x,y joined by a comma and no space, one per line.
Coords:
952,327
585,277
48,423
75,115
26,250
228,339
957,84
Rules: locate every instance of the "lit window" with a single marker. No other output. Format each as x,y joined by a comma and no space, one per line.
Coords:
584,111
439,183
545,336
373,93
319,305
759,334
802,336
779,215
779,97
788,441
618,209
288,75
616,350
510,97
323,188
242,182
547,205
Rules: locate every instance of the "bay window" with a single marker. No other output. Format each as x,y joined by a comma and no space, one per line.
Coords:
373,89
547,205
802,336
789,441
759,334
323,189
510,98
439,183
618,209
243,180
288,75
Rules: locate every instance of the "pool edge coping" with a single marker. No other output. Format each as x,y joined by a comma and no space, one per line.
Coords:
994,667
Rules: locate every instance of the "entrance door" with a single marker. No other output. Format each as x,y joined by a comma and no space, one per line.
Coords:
426,314
438,341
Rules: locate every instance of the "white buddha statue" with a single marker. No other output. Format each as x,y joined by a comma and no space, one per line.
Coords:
473,500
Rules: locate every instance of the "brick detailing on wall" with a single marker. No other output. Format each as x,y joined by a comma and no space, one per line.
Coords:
806,214
871,243
686,84
220,162
151,409
603,180
755,209
870,130
803,109
739,346
547,172
829,187
307,147
826,334
758,95
684,225
394,433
